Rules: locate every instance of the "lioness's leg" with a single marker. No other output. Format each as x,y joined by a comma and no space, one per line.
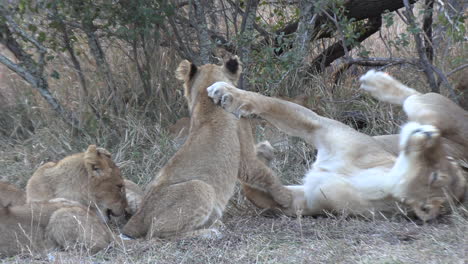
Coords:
175,210
427,109
327,135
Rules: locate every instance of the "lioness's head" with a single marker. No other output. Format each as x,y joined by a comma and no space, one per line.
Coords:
198,78
435,179
107,189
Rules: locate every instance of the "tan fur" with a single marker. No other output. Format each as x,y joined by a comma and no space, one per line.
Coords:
41,226
10,195
90,178
134,198
190,192
355,173
179,130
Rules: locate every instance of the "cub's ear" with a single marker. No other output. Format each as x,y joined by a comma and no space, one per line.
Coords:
91,155
233,66
186,70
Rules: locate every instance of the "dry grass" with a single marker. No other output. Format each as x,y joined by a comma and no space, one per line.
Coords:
254,239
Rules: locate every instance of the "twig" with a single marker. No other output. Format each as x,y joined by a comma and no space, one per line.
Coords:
459,68
21,32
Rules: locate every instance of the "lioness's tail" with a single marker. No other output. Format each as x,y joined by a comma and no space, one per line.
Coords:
385,88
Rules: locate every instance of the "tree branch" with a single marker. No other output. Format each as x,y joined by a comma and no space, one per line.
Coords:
337,50
424,61
201,26
427,28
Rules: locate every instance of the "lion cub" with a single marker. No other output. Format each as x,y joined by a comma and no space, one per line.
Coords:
191,191
10,195
40,226
90,178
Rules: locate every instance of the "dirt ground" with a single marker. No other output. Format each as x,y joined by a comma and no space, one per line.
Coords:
258,239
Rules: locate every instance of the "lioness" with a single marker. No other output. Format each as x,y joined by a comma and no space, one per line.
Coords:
10,195
353,173
90,178
40,226
191,191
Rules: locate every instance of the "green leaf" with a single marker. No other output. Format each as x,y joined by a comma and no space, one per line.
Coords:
42,36
32,28
55,75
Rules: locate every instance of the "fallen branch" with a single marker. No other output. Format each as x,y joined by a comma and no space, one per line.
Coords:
369,62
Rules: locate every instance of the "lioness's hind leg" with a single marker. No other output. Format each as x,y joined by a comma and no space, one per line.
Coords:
428,109
385,88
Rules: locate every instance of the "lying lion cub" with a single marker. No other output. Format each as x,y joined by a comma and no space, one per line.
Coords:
11,195
190,192
90,178
352,172
40,226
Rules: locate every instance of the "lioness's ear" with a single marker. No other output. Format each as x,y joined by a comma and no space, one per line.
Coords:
233,67
186,70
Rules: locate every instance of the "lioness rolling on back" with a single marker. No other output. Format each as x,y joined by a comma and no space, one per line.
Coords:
191,191
353,173
90,178
40,226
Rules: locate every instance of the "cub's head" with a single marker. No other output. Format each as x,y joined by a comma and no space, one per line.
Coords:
107,188
198,78
433,179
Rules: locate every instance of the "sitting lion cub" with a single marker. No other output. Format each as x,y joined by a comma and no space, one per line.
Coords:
353,173
191,191
90,178
41,226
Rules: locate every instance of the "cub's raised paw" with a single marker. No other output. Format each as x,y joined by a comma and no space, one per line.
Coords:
229,97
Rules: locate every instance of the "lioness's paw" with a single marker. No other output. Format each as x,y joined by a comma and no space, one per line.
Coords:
372,80
227,96
217,90
416,134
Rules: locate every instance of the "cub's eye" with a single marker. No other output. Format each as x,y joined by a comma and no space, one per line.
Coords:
95,168
120,186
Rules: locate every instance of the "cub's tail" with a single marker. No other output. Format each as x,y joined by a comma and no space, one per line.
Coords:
385,88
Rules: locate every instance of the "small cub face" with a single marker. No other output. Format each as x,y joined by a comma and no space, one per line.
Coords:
107,184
